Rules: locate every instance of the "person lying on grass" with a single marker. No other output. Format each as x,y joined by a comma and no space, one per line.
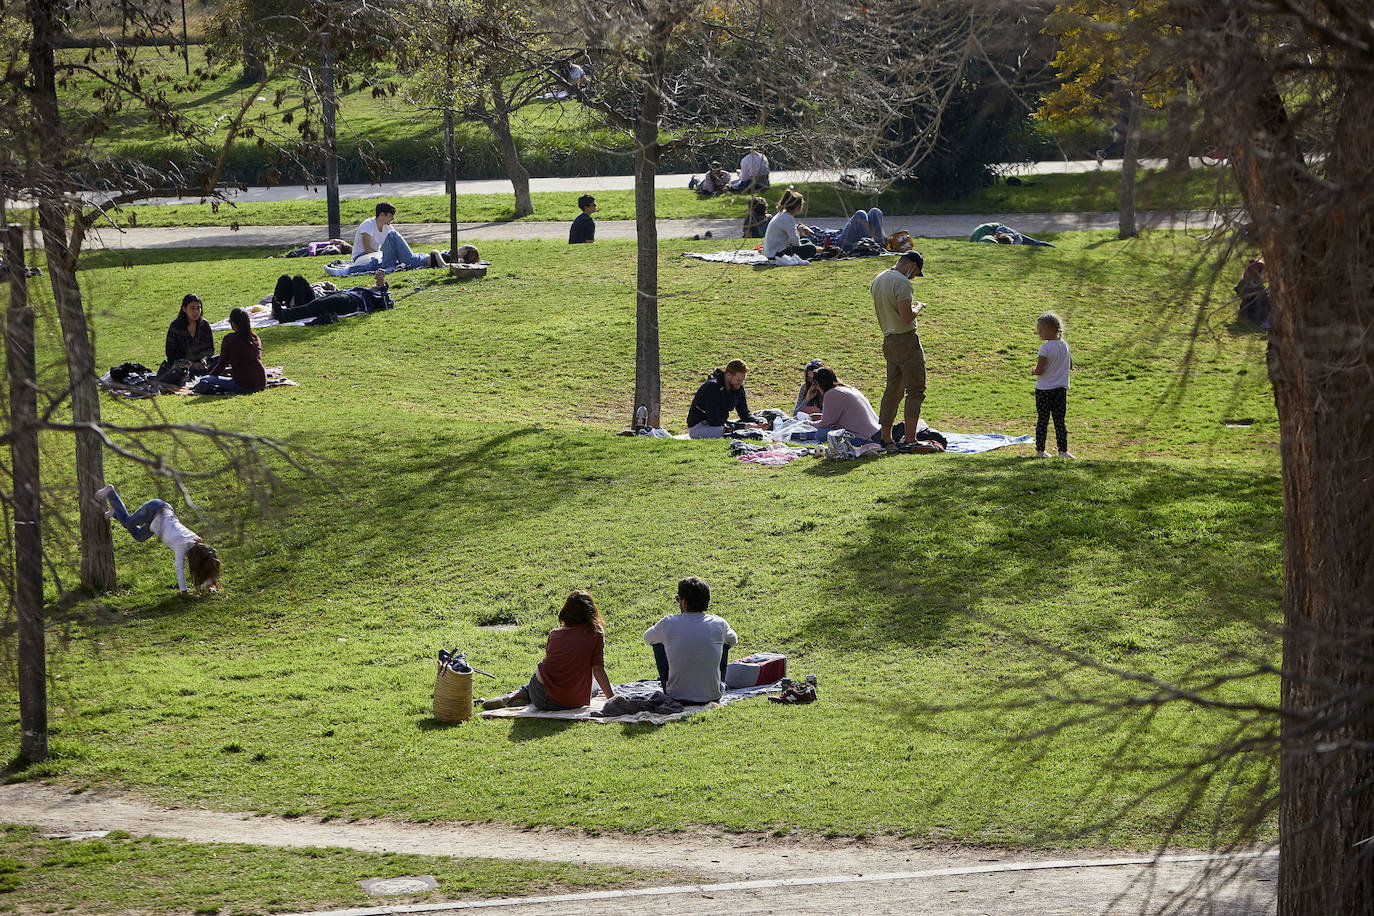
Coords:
305,304
1000,234
574,654
378,243
692,648
155,517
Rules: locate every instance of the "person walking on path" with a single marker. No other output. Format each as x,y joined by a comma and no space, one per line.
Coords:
906,361
1052,384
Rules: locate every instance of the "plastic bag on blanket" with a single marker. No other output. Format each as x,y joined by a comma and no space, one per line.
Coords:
839,445
784,428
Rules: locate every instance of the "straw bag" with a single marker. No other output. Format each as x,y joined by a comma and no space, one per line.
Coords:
452,695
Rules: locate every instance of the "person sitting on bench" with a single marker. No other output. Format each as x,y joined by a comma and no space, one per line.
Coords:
692,647
305,304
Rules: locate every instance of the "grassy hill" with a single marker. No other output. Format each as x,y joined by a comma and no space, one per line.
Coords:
463,472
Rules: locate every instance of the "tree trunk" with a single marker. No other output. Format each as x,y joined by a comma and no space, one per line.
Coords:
1318,240
28,536
1178,133
647,391
519,176
1128,228
97,547
254,69
451,176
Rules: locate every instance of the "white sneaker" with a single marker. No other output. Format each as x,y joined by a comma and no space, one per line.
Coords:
104,492
1042,454
109,514
1067,455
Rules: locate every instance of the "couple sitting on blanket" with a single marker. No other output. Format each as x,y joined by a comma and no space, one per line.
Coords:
830,403
785,237
379,244
690,649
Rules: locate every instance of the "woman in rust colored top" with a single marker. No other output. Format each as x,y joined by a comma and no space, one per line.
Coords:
572,657
241,354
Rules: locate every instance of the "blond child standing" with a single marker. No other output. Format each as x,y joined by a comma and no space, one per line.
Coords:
1051,384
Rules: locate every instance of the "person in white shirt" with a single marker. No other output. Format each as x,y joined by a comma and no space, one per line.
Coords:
753,173
691,647
1051,384
155,517
782,235
378,244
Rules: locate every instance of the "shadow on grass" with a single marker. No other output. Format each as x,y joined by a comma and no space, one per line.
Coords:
987,539
96,259
534,729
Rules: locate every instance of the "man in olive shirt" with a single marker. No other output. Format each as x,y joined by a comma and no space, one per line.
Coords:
906,361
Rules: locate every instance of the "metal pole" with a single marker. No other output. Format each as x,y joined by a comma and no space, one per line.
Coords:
331,147
185,40
28,537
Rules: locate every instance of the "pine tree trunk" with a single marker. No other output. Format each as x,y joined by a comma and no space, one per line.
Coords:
27,508
647,391
97,547
1127,228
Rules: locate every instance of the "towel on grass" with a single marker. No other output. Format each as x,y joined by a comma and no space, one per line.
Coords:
973,443
275,379
751,258
636,689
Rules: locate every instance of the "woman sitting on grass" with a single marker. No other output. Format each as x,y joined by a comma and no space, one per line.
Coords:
190,342
240,353
155,517
781,236
573,656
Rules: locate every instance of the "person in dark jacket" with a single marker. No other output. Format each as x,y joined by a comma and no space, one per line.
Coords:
722,392
583,228
189,339
240,354
372,298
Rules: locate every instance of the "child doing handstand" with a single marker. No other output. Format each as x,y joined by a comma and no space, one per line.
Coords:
155,517
1051,384
573,656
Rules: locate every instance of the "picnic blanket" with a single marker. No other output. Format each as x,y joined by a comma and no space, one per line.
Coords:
275,379
973,443
260,316
751,258
637,688
346,268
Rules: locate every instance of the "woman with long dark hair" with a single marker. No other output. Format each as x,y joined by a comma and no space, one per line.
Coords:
241,354
190,342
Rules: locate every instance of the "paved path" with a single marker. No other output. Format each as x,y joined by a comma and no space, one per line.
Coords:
609,182
429,235
750,873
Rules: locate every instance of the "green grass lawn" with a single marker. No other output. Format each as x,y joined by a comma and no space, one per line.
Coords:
120,873
1085,192
464,472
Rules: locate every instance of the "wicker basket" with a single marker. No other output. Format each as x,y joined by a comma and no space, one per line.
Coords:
452,695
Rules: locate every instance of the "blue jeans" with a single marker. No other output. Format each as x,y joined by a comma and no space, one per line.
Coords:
396,253
216,384
820,433
139,521
864,224
540,697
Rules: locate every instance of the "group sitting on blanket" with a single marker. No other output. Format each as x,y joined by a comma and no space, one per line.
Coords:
294,299
785,236
691,651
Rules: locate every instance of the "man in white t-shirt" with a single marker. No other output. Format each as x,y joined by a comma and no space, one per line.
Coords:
753,172
691,647
378,243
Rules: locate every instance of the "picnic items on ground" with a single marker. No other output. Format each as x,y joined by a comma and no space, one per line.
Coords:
756,669
453,687
794,694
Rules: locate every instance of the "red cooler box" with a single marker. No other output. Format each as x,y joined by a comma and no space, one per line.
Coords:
756,669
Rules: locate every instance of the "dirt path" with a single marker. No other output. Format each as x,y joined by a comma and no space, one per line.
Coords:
752,873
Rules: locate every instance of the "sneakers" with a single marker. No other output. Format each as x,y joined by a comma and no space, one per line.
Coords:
692,185
1101,157
1042,454
104,492
1067,455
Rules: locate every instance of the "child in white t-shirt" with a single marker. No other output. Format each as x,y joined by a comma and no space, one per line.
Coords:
156,518
1051,384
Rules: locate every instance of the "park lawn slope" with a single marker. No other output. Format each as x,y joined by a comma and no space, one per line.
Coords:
464,474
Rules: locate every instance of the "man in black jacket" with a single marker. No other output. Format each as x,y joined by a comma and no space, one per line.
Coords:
722,392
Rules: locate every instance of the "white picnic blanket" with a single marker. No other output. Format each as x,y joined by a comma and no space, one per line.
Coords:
746,256
260,316
584,714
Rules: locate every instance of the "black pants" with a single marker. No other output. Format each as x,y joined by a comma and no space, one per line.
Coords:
1051,402
292,291
336,303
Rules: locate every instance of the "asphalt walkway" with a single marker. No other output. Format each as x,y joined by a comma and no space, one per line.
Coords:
423,236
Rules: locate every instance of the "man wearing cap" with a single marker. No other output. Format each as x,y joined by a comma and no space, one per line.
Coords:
906,361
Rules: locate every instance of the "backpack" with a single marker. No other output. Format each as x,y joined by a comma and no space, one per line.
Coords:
900,241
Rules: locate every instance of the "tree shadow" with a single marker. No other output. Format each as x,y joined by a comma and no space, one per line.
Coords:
1006,533
524,729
